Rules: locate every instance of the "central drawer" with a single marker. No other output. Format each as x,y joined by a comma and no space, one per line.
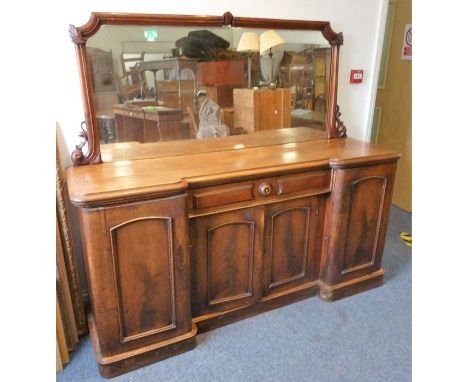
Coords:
258,191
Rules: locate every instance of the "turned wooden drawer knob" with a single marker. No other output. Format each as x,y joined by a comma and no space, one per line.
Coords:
265,188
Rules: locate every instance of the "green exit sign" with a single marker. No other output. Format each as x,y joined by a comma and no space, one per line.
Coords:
151,35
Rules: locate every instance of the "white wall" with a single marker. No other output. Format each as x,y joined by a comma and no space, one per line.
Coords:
359,20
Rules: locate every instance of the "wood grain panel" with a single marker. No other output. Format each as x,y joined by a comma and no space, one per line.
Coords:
223,196
293,237
288,246
367,197
137,262
144,277
354,230
226,260
303,182
230,261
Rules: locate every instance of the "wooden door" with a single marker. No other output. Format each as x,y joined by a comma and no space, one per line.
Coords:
356,222
226,260
392,128
293,236
138,272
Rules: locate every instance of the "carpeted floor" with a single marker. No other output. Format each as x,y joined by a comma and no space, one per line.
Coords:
363,338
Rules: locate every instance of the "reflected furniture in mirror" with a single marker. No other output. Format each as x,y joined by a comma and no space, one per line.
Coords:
186,226
169,63
138,123
261,109
183,90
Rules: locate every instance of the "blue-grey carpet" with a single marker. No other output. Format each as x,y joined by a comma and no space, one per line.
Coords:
366,337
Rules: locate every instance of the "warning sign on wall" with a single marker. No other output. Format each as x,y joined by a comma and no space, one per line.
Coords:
406,52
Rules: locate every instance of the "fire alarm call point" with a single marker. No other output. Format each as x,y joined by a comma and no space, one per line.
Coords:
356,76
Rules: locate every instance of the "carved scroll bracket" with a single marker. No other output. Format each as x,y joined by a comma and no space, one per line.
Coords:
340,127
76,35
338,39
332,37
77,154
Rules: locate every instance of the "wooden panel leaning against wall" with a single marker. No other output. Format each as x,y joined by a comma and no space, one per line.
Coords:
71,319
67,333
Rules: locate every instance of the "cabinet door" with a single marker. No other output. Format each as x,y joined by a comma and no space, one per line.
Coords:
357,222
138,272
293,235
226,260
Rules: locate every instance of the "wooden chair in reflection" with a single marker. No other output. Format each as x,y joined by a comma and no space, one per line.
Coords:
129,84
127,90
129,63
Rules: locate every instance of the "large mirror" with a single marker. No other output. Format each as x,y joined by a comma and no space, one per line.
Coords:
152,81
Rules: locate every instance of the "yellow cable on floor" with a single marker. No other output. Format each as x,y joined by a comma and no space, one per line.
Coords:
407,238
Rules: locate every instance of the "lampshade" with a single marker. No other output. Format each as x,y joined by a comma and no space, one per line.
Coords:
248,42
270,39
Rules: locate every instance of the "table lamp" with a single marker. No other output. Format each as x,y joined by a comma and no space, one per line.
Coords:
249,43
268,41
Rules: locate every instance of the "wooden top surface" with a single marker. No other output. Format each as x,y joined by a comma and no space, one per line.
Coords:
105,183
134,150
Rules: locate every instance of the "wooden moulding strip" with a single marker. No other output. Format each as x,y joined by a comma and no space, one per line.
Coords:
124,196
350,287
133,353
261,305
360,161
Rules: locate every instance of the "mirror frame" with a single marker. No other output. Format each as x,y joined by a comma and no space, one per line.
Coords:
79,35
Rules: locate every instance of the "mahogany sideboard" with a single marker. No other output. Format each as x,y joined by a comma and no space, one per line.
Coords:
188,236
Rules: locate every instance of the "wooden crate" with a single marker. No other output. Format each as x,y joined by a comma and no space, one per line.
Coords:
262,109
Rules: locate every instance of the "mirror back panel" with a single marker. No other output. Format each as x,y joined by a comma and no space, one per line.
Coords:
152,81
